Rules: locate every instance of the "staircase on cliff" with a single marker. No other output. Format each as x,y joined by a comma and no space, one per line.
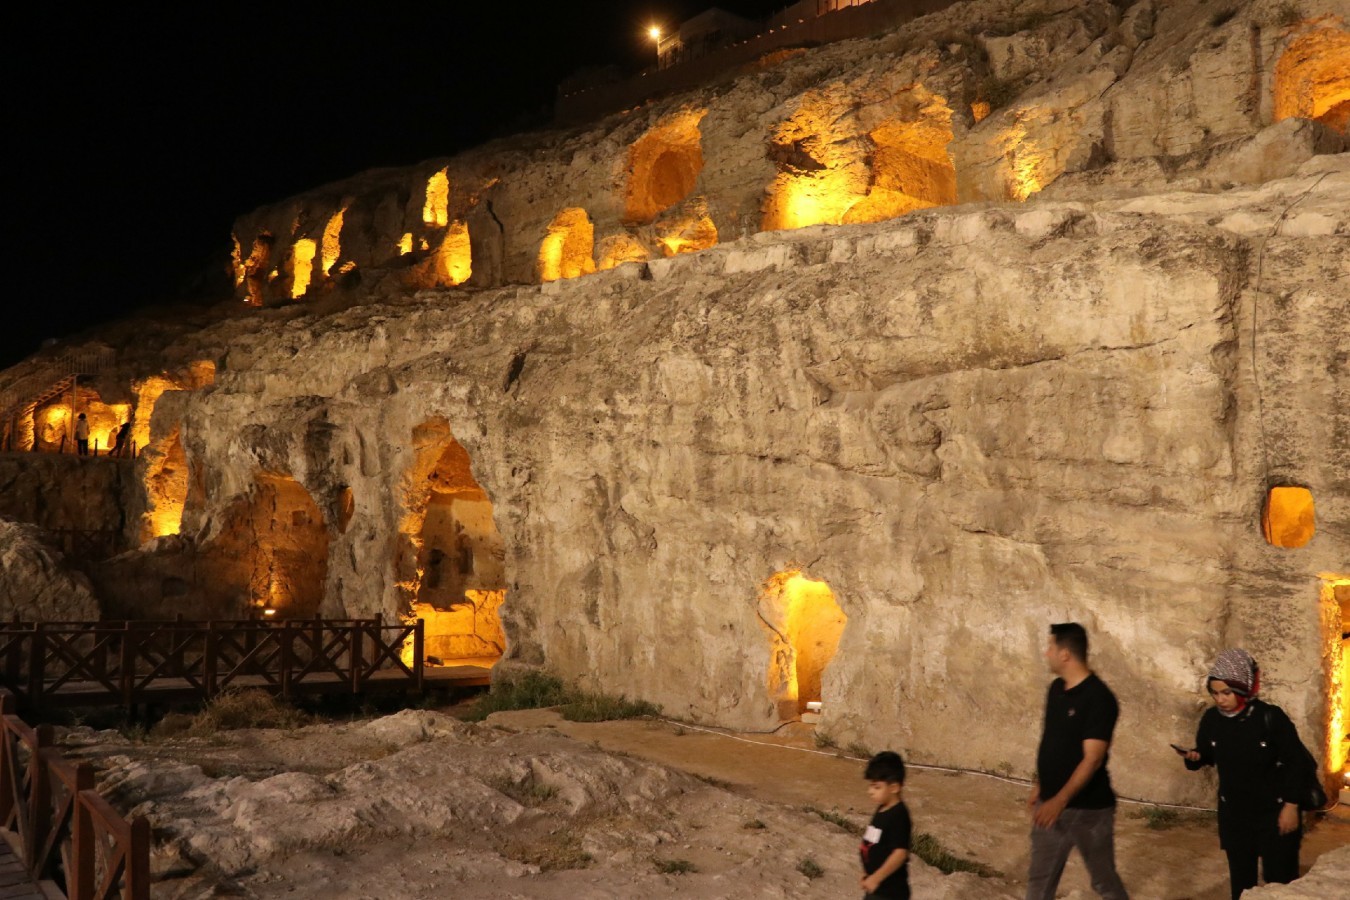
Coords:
56,377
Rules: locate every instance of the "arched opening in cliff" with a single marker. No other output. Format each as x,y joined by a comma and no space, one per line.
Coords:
54,422
302,266
436,209
663,166
452,262
273,543
1289,518
1335,609
1312,79
255,269
331,248
166,488
452,565
567,249
805,624
830,172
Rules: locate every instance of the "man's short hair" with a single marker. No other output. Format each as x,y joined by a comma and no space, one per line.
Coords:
886,766
1072,637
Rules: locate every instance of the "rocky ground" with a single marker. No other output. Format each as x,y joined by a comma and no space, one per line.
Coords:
419,803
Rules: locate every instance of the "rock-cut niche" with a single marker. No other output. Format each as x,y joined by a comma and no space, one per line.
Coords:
274,545
805,624
663,166
1312,79
568,249
453,567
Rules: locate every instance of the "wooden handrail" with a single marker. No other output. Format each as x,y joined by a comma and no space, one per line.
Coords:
67,837
126,662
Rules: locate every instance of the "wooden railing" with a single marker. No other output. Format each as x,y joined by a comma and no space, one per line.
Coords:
100,663
67,836
92,544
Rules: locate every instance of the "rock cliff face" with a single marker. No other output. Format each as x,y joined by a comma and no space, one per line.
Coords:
967,422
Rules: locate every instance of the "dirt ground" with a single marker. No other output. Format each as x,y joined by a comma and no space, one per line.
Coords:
528,805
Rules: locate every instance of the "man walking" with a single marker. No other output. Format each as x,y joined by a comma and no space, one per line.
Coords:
1072,802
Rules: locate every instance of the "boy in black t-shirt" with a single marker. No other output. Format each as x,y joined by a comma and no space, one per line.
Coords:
885,843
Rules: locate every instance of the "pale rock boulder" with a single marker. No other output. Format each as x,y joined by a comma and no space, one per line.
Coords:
35,582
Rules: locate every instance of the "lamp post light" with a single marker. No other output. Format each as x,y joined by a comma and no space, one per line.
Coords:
654,32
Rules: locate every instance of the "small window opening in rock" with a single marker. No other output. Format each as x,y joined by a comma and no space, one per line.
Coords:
436,210
452,262
567,249
1335,603
405,244
302,266
1289,519
1312,79
805,625
513,371
332,242
664,165
452,566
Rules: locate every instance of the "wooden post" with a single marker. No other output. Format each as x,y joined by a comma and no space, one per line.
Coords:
356,658
419,666
209,661
138,861
286,661
80,868
14,655
8,777
128,661
37,665
39,800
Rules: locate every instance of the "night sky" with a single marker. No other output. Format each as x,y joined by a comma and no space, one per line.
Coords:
142,130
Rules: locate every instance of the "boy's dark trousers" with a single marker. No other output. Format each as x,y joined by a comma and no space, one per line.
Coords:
1092,831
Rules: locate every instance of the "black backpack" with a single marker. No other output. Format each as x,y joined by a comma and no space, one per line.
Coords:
1312,796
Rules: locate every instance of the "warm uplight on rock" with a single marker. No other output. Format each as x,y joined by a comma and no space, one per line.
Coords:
237,261
1289,519
566,250
148,391
663,166
451,562
332,243
688,236
1335,596
273,544
806,625
255,268
618,249
452,262
302,266
405,244
166,488
832,173
436,210
1312,79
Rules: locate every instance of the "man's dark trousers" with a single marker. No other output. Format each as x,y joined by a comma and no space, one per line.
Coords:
1092,831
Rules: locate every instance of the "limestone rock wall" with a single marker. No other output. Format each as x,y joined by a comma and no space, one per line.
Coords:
968,423
36,584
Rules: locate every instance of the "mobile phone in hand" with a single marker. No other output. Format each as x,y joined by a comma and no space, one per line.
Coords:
1182,750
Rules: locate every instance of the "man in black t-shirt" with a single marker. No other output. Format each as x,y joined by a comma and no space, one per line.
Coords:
1072,801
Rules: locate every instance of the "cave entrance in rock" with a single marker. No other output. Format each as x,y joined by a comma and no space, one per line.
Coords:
458,581
805,624
1335,596
568,248
664,165
1312,79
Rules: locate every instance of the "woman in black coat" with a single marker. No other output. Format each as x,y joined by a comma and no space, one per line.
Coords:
1255,749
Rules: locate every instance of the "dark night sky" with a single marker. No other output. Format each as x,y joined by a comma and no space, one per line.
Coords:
142,132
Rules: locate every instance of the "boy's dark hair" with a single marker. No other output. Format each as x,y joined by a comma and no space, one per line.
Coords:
1072,637
886,766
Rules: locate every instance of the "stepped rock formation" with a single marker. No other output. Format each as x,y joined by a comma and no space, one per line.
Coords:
1065,398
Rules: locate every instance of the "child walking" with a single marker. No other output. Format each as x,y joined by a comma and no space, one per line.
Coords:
885,843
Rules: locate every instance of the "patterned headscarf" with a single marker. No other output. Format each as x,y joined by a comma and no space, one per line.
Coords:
1238,670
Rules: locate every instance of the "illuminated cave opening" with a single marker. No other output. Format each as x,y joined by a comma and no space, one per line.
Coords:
302,266
829,174
166,488
1335,607
331,247
618,249
452,261
274,543
453,567
663,166
567,250
1312,79
688,235
805,624
1289,518
436,209
54,428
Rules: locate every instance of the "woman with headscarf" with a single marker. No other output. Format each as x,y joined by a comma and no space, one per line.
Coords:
1255,749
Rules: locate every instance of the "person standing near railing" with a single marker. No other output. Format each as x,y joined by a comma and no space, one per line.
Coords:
82,435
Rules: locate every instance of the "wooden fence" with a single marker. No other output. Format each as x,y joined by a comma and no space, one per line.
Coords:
66,835
108,663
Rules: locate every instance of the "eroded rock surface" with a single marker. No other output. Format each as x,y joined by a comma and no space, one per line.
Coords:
35,582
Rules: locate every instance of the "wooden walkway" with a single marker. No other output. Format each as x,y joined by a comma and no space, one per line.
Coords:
56,664
15,882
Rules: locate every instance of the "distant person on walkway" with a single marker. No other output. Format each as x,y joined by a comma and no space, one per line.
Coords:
1072,802
1257,751
81,435
120,446
885,843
